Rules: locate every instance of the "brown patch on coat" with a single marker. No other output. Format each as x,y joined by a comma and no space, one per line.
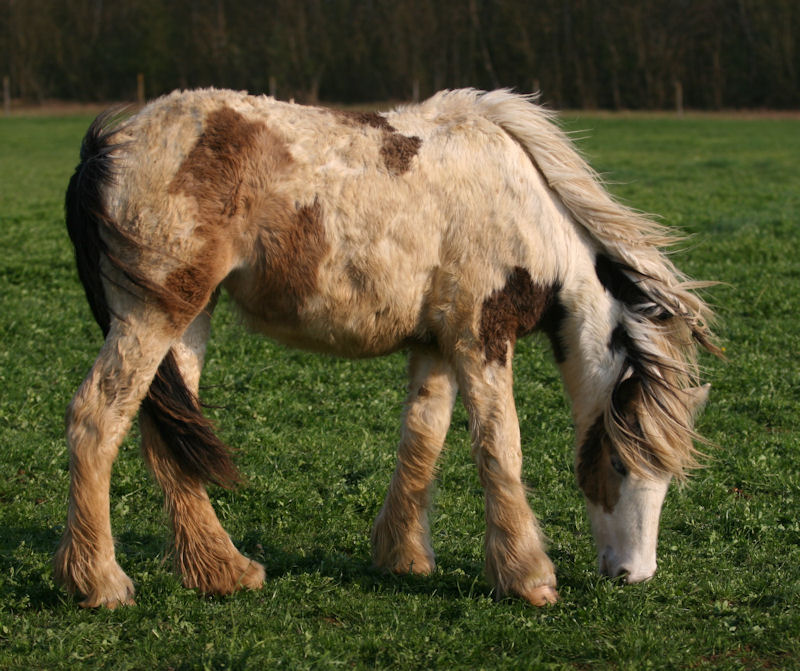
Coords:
398,151
190,284
193,283
216,170
228,173
290,246
292,256
188,288
512,312
371,119
597,478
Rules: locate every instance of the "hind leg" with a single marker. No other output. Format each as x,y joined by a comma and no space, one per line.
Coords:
97,420
516,561
400,536
204,553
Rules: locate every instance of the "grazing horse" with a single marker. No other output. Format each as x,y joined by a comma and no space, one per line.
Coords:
449,228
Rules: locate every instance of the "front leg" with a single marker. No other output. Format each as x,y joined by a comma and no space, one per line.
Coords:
401,537
516,562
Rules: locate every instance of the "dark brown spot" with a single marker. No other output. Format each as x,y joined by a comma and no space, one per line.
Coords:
289,249
222,163
398,151
422,392
359,279
512,312
598,468
551,322
190,283
616,278
371,119
618,341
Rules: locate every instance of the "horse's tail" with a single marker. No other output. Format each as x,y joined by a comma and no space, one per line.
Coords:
190,439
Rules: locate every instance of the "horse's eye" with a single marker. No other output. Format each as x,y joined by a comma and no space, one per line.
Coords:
617,465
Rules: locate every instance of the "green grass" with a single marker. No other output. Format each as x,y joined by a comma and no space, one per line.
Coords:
316,438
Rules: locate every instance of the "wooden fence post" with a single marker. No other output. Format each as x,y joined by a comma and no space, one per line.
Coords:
140,88
679,97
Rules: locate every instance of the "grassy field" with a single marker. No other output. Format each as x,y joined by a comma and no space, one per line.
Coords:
316,438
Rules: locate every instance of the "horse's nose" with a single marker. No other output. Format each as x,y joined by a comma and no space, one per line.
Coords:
630,572
637,575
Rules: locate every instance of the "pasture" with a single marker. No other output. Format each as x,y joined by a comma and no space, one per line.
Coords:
316,439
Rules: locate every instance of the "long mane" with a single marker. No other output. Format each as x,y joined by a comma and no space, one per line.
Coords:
664,319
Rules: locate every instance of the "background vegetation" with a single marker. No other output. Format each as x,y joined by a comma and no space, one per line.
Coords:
316,438
580,53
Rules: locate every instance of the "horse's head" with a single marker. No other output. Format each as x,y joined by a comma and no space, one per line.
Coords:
624,467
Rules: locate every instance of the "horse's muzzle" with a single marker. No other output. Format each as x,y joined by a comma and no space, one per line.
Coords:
630,571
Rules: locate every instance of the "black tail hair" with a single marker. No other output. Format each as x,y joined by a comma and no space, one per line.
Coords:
195,449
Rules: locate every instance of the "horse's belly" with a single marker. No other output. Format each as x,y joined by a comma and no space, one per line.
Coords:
343,323
353,336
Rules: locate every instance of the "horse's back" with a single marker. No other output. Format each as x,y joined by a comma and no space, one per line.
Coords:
341,231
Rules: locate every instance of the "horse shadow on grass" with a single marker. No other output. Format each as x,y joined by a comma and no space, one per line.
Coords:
26,564
26,568
27,573
455,577
452,580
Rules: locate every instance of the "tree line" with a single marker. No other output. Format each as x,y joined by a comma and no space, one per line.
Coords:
634,54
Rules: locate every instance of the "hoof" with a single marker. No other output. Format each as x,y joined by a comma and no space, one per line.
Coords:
253,576
544,595
225,578
107,602
405,564
401,555
97,578
422,567
116,590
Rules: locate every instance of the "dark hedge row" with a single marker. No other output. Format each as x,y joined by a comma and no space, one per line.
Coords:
580,53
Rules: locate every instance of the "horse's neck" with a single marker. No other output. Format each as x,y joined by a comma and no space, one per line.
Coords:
592,361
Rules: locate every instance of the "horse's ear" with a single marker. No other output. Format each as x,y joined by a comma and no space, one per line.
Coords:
698,396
